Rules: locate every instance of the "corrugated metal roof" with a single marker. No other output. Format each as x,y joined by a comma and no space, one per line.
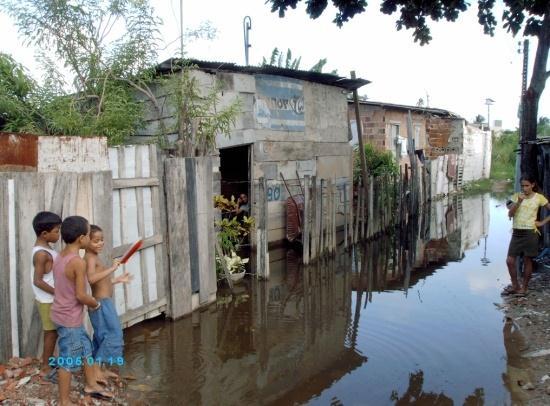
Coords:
416,109
324,78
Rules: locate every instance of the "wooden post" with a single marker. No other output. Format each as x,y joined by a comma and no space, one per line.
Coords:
322,219
306,220
262,230
357,216
314,218
346,211
178,250
364,212
335,199
363,159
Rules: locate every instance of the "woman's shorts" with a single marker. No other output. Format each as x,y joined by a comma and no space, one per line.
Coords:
524,242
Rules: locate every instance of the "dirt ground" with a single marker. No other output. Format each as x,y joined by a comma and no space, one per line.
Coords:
527,341
20,384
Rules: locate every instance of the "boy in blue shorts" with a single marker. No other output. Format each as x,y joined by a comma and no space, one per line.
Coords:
70,297
108,341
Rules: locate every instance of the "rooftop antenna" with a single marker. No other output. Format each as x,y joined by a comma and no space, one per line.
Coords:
247,26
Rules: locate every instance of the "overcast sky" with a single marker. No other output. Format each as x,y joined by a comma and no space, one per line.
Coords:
459,69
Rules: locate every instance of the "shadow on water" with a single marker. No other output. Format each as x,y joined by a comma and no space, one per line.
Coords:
407,318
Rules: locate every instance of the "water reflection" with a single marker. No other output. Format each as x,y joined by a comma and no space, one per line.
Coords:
393,322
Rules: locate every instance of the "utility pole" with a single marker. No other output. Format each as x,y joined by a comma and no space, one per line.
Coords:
521,149
181,29
489,102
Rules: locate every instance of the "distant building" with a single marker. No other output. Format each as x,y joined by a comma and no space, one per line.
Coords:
452,150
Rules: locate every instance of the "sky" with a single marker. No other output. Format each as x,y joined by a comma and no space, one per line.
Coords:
458,70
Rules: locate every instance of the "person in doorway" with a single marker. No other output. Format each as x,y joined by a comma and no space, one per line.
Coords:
75,346
46,226
523,209
108,340
243,209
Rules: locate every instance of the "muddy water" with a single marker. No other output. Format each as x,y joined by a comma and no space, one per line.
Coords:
406,319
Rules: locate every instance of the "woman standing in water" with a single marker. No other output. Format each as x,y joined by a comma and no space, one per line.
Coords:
525,233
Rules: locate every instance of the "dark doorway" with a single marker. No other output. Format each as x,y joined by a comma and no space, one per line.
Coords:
235,171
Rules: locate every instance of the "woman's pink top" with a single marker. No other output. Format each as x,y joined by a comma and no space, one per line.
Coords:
66,311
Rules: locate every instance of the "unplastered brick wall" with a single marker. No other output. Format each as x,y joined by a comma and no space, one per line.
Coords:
444,136
372,123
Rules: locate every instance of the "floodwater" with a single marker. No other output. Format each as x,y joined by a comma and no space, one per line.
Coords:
402,320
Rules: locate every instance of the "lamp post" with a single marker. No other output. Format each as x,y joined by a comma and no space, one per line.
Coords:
489,102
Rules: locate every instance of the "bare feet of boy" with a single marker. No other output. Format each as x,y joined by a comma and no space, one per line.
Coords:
98,392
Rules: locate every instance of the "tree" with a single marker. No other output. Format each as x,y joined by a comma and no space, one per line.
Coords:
479,119
276,59
16,90
531,17
110,48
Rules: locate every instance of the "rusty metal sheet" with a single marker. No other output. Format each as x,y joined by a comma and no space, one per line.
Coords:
18,152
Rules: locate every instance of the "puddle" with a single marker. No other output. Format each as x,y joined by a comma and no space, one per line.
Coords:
405,319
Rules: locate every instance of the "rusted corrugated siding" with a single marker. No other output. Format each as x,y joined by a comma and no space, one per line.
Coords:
18,152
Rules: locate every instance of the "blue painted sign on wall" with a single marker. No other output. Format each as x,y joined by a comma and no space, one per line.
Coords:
279,103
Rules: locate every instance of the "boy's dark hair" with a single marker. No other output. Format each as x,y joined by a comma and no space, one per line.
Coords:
95,229
45,221
72,228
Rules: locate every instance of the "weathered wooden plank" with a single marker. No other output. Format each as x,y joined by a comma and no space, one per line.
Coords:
12,268
135,182
139,158
160,219
28,189
322,221
261,250
204,219
314,217
178,250
346,211
5,315
192,222
142,311
211,285
306,219
102,206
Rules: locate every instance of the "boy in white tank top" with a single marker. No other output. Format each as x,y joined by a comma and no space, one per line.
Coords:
46,225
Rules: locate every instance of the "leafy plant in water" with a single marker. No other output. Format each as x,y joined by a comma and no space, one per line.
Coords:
231,232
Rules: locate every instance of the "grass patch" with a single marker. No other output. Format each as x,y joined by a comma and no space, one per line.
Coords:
503,156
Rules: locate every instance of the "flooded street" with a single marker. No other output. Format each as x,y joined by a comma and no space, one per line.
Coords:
398,321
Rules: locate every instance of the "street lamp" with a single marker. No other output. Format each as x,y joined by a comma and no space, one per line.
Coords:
489,102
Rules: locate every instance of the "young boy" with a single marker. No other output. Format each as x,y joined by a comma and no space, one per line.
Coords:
75,347
108,341
46,225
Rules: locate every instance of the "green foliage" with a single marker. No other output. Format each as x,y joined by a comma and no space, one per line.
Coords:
231,234
106,69
378,163
231,231
17,97
414,15
503,157
276,59
543,127
199,118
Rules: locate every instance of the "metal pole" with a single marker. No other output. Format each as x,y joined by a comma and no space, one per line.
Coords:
181,29
247,26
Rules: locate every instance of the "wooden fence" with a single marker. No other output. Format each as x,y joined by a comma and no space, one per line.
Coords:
167,202
22,195
138,212
341,214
